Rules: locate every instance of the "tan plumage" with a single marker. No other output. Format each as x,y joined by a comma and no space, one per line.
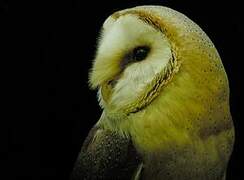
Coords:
174,104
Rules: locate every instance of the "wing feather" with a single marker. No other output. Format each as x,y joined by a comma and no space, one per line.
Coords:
106,155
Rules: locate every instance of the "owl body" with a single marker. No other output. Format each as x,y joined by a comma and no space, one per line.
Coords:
164,93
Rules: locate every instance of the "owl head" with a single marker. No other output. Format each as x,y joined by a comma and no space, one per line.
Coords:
148,53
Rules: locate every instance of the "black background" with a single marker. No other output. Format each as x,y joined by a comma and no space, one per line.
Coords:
44,143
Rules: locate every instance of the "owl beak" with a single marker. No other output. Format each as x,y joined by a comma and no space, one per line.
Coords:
114,81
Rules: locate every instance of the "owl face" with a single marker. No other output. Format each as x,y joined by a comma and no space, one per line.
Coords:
152,53
132,56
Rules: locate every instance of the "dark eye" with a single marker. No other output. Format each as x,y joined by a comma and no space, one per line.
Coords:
140,53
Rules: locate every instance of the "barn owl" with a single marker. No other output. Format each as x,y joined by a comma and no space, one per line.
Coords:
165,99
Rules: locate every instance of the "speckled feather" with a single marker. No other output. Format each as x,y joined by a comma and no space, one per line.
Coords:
106,155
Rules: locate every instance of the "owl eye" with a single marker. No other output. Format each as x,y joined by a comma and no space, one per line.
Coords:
140,53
